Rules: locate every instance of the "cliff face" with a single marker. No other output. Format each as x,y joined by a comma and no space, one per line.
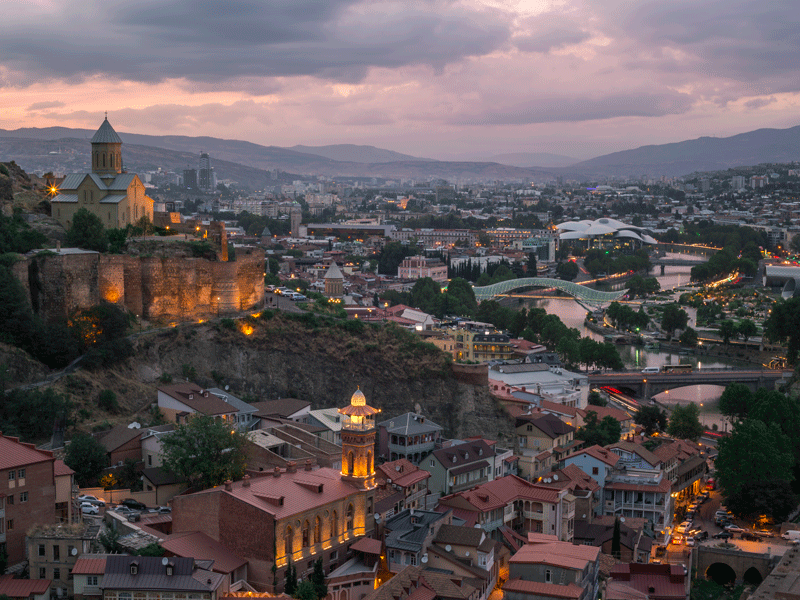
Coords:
324,365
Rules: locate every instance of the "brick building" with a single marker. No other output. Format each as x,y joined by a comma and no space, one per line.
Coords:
292,515
27,493
417,267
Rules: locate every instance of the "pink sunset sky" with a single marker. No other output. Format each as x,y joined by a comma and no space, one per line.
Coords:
434,78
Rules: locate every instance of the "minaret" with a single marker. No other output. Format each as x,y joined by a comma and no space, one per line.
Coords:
358,442
106,151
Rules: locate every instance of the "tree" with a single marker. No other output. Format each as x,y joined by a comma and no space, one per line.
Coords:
727,329
87,232
600,433
567,270
459,298
109,539
673,317
736,401
426,295
306,590
290,585
595,399
783,324
746,329
684,423
772,498
688,338
531,267
318,579
205,451
755,452
651,418
87,457
107,400
616,540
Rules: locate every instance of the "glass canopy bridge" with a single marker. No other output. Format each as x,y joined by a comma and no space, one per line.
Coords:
584,295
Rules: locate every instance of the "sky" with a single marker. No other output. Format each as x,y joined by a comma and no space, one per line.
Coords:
444,79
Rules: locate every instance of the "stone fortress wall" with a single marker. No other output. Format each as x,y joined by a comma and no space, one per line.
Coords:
156,288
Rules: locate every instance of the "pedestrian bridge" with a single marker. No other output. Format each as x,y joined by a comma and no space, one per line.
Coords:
645,385
582,293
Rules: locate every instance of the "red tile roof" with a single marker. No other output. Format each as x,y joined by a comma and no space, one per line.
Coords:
291,493
367,546
89,566
601,454
198,545
668,581
536,588
562,554
402,472
14,453
23,588
500,492
606,411
60,468
663,487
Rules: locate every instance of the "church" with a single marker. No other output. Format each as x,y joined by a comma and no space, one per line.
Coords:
117,197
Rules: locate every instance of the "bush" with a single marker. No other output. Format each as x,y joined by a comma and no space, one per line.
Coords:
228,323
165,378
107,400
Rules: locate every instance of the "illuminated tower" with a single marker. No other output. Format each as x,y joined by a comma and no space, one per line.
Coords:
106,151
334,281
358,442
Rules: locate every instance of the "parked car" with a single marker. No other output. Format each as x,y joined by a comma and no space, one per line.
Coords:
134,504
270,288
92,499
690,542
733,528
752,537
124,510
703,535
722,535
87,508
164,510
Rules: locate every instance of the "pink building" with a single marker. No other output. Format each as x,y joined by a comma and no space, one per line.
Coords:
416,267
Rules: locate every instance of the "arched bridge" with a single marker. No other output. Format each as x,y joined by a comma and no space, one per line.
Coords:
752,567
581,293
649,384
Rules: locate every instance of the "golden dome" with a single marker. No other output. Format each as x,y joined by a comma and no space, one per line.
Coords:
358,398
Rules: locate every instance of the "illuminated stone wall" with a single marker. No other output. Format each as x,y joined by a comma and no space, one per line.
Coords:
174,288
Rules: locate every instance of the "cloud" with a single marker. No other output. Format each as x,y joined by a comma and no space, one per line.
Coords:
757,103
548,31
577,109
152,41
44,105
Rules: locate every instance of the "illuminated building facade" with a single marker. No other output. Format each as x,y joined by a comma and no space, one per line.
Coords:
283,516
116,197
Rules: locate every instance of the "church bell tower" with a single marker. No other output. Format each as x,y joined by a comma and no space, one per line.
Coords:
358,442
106,151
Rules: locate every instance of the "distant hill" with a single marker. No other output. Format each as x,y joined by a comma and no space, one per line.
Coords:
533,159
244,162
701,154
353,153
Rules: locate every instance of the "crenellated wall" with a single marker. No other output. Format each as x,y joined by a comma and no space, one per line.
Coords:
174,288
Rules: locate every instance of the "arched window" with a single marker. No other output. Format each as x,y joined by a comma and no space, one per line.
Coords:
317,530
351,513
104,159
111,159
369,463
306,528
135,211
335,525
350,460
288,542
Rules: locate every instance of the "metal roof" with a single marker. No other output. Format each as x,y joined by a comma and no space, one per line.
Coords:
106,134
151,574
410,424
122,181
65,198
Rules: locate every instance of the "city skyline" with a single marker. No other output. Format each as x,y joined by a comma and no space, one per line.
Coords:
440,79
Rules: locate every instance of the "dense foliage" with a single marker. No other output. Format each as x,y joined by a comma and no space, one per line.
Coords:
783,324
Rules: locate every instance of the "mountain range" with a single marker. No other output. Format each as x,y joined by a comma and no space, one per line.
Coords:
249,163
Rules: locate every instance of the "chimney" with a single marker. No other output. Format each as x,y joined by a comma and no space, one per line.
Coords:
308,464
276,472
58,245
291,467
228,485
246,481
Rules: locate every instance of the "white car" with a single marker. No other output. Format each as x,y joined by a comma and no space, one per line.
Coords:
92,499
87,508
734,529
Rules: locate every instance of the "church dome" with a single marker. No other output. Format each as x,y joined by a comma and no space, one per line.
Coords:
106,134
358,398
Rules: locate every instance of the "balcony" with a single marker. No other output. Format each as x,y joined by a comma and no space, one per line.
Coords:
421,448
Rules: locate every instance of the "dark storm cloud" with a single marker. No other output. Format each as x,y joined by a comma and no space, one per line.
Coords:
221,41
746,41
579,108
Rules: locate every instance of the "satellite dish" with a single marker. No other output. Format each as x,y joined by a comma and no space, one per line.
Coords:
74,552
227,387
477,526
622,519
555,477
466,553
583,517
165,561
448,547
424,559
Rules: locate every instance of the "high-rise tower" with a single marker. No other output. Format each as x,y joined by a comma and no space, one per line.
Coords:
358,442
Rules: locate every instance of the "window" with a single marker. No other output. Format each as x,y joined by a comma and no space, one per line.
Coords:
70,549
414,559
288,542
10,499
21,474
10,525
350,517
41,550
334,555
56,553
306,528
595,470
23,497
530,427
12,475
134,571
91,580
548,576
149,460
432,463
56,573
317,530
42,573
335,525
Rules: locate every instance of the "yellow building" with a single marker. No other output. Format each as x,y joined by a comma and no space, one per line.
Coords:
118,198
